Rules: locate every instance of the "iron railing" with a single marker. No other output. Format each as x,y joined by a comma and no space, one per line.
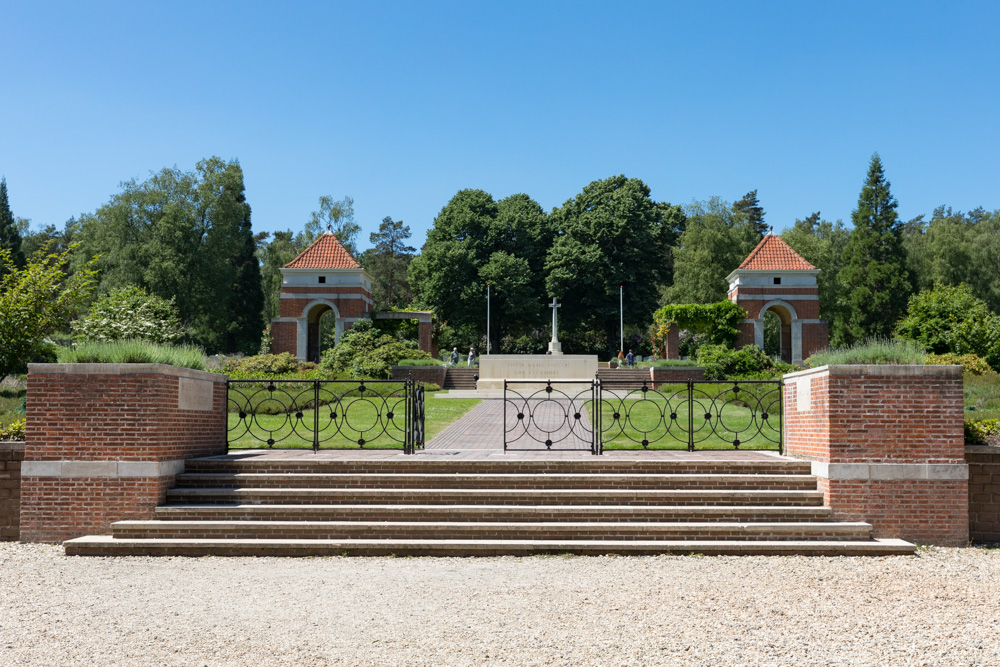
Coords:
721,414
334,414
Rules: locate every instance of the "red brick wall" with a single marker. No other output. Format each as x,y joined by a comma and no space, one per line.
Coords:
876,430
665,374
435,374
746,335
11,455
815,337
95,430
284,337
984,493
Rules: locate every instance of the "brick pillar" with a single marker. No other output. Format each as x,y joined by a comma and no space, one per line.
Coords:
887,445
672,344
284,337
11,455
746,336
984,493
426,343
105,441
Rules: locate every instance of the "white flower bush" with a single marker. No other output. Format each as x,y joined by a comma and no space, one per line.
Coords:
130,313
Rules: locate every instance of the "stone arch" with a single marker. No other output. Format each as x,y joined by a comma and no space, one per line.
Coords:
311,314
786,313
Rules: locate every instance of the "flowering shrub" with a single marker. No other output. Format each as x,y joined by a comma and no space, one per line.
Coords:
261,366
265,341
970,363
130,313
979,432
13,431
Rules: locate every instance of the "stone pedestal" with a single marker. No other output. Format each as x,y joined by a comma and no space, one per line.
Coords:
555,347
533,370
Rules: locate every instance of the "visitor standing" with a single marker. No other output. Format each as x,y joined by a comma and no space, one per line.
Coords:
472,356
621,359
453,360
630,359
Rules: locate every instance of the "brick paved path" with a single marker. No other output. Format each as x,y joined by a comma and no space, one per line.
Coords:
483,427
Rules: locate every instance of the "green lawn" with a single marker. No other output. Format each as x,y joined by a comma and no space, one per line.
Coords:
11,405
343,422
982,396
719,417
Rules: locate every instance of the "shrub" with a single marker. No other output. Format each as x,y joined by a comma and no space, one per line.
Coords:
979,432
871,352
970,363
130,313
719,321
365,352
134,352
419,362
952,319
13,431
261,365
750,363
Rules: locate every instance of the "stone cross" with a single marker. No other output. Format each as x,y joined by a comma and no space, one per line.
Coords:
555,306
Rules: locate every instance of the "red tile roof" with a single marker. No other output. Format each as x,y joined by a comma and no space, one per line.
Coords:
326,252
773,254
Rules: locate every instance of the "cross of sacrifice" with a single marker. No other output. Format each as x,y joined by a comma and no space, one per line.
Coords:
555,306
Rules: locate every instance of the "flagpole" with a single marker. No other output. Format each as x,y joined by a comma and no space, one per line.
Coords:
621,320
487,318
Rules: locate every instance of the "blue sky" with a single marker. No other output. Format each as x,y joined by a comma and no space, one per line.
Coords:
399,105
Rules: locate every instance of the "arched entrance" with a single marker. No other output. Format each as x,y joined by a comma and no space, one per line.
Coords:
785,315
313,315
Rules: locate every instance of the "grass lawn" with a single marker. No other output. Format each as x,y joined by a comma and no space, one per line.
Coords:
751,416
982,395
343,423
11,405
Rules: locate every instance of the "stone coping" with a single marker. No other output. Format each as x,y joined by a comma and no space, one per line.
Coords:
18,446
109,469
981,449
125,369
883,471
886,370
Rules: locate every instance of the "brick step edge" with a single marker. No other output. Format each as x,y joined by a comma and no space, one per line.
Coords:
109,546
331,530
429,463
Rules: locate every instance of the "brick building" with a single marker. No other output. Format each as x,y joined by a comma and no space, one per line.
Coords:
775,278
322,278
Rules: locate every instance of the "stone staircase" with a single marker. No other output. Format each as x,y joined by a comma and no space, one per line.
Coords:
424,505
460,378
624,376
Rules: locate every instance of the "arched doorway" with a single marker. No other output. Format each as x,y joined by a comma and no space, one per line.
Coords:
780,316
321,320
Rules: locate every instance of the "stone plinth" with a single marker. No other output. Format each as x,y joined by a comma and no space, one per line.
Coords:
534,368
887,445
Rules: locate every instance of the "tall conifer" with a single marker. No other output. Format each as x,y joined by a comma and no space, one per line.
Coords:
874,283
10,238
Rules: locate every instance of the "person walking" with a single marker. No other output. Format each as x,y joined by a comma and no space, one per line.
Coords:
453,359
630,359
621,359
472,356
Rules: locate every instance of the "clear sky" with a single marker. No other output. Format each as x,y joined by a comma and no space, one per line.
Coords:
399,105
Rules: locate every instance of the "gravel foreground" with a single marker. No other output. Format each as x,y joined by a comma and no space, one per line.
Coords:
941,607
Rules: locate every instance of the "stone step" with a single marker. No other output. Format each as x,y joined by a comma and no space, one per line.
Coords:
441,463
495,481
459,530
496,496
110,546
491,513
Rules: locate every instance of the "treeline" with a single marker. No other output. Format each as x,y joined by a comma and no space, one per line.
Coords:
187,236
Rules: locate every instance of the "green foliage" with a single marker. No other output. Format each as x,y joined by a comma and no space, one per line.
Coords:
420,362
133,352
403,330
720,321
534,343
871,352
338,217
978,432
13,430
821,243
724,363
262,366
874,281
612,234
715,241
10,236
981,395
186,235
130,312
35,302
970,363
365,352
387,262
950,319
750,210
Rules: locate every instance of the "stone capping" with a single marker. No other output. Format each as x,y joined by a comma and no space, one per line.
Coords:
981,449
882,370
126,369
890,471
11,445
109,469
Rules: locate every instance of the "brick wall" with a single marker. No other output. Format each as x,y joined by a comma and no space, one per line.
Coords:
284,337
104,442
984,493
435,374
887,444
815,337
11,455
663,374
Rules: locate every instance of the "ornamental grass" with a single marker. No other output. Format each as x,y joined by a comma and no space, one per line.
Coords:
133,352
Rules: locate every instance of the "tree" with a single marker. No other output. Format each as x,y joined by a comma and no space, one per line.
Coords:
821,243
476,240
951,319
187,236
874,281
388,262
612,234
750,210
10,237
130,312
715,242
272,256
36,301
337,217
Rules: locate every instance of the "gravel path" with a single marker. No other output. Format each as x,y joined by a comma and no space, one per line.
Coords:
939,608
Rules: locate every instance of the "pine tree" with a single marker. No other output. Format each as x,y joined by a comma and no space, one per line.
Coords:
874,282
10,238
750,207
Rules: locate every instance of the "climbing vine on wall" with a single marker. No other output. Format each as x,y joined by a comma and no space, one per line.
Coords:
720,321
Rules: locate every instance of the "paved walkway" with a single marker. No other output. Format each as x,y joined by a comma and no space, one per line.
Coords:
483,427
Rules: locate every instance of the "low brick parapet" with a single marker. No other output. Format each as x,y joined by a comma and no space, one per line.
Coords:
105,441
887,445
984,493
11,455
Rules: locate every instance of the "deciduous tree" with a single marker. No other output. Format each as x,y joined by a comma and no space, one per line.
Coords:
336,216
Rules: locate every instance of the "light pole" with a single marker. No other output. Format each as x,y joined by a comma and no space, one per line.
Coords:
487,318
621,318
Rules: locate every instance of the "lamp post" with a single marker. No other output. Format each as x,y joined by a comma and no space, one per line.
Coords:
621,318
487,318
